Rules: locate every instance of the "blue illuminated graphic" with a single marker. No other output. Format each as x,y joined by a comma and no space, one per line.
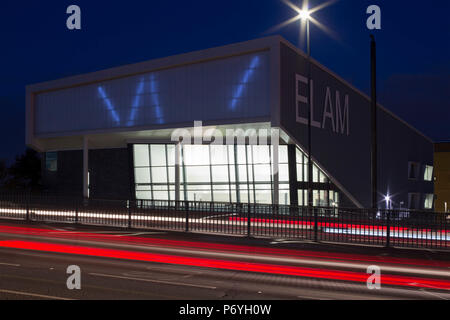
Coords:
109,105
155,99
136,103
155,96
243,84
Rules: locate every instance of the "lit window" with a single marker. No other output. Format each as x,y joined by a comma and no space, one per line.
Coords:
428,201
323,177
282,154
142,175
158,153
159,175
141,155
219,155
262,173
302,197
198,174
220,174
261,155
51,161
210,173
316,198
284,196
299,172
263,194
242,171
428,173
315,174
196,155
283,173
221,195
171,155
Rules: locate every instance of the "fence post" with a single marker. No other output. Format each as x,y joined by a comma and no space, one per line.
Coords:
28,208
76,212
388,229
186,209
316,229
249,221
129,214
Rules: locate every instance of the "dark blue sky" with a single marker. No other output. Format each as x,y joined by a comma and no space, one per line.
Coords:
413,47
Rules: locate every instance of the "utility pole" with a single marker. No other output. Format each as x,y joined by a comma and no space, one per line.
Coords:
374,142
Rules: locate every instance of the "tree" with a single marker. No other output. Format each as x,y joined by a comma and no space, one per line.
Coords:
25,173
3,172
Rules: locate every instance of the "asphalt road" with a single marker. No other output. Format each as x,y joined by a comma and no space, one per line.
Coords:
39,274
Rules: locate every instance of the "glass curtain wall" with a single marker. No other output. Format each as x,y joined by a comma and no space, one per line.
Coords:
239,173
322,195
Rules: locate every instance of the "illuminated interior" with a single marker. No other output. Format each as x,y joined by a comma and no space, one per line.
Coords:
220,173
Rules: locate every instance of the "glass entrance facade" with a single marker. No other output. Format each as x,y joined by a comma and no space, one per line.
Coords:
324,192
218,173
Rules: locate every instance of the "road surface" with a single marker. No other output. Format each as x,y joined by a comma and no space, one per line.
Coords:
117,264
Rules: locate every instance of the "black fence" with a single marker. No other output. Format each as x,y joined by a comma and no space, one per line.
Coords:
399,228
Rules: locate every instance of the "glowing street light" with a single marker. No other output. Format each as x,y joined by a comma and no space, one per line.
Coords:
304,14
388,201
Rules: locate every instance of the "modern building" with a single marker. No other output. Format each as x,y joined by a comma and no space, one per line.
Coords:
442,176
116,133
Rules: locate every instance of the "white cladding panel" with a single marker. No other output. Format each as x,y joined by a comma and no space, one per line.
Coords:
232,88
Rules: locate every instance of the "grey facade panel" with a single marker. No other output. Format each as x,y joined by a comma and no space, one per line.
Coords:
68,179
397,146
222,89
341,145
109,174
345,157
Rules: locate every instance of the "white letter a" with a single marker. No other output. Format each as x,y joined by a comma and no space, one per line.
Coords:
74,280
374,21
74,21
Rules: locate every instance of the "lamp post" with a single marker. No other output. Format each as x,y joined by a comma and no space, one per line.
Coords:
310,166
304,14
373,107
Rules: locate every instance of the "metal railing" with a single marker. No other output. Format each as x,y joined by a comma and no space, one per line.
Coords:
399,228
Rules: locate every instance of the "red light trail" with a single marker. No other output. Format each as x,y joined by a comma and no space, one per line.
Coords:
225,265
219,247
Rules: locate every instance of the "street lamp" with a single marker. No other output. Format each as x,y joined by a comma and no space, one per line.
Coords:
304,14
388,202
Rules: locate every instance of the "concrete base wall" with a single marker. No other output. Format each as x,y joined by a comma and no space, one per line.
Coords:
109,174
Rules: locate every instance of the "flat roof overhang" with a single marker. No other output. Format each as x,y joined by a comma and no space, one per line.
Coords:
121,138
